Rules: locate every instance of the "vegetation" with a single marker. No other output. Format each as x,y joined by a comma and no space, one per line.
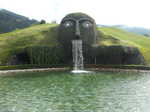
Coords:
136,30
42,21
45,55
44,36
16,41
139,41
10,21
77,15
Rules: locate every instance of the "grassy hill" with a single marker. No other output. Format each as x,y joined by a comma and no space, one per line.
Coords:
19,39
142,42
136,30
46,34
10,21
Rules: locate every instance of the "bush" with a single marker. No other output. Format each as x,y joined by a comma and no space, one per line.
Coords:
45,55
38,55
121,55
42,21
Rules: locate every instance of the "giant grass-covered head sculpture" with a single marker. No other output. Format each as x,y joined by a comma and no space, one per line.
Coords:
81,26
77,26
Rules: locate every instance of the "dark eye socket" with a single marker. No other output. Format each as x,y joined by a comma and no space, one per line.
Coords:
86,24
68,23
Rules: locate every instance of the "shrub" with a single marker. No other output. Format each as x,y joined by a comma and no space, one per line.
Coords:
45,55
42,21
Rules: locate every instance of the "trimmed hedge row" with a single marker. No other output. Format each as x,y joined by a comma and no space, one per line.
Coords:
104,55
45,55
38,55
117,55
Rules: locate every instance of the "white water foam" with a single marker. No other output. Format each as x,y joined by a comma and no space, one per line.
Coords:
78,57
80,71
77,54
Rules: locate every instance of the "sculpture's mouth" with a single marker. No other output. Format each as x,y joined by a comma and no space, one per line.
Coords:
77,37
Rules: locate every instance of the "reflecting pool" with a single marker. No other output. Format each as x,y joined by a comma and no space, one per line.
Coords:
66,92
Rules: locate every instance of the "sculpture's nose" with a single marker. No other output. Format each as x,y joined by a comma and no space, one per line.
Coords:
77,31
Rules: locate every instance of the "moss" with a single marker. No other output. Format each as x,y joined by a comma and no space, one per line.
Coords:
46,35
78,15
131,39
36,35
118,54
45,55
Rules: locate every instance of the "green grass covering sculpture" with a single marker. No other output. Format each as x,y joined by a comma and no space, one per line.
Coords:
51,44
81,26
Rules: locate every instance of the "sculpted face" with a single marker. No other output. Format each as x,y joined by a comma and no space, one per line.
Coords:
77,26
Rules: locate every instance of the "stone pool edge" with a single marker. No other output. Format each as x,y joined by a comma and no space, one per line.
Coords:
32,70
67,69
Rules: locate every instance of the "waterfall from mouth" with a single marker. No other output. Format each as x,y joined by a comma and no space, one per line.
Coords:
77,54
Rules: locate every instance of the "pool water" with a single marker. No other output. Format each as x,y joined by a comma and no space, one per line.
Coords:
66,92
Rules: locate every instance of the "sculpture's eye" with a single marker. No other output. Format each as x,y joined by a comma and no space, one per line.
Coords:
68,23
86,24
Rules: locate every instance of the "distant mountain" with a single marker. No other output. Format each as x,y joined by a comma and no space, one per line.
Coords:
10,21
137,30
100,25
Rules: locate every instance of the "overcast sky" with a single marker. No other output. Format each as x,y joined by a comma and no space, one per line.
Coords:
107,12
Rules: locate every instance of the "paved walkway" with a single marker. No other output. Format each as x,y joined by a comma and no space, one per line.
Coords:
118,70
32,70
63,69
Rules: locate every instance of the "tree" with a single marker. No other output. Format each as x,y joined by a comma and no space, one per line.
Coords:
42,21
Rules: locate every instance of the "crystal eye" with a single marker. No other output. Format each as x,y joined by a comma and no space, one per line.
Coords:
87,24
68,24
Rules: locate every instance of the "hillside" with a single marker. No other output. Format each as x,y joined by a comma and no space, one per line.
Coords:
19,39
136,30
10,21
142,42
46,35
